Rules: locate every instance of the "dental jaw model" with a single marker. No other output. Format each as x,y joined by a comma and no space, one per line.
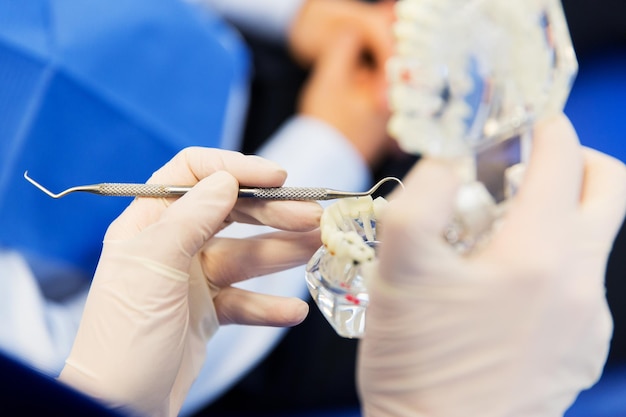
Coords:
336,275
468,81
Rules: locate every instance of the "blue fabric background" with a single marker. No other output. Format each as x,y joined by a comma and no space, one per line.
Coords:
79,106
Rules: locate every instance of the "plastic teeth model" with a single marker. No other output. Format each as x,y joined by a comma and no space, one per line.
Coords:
468,81
336,274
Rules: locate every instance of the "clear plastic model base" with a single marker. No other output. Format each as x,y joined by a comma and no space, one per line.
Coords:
340,291
337,274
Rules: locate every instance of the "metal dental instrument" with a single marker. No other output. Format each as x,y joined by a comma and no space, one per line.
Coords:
159,190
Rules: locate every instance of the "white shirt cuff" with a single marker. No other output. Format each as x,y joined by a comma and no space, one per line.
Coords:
315,154
266,19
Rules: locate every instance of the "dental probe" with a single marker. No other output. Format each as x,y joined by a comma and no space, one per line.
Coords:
162,191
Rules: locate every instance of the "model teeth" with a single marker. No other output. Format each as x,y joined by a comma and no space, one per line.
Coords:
348,224
445,47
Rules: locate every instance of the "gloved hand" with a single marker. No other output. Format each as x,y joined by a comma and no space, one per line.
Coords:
516,329
163,282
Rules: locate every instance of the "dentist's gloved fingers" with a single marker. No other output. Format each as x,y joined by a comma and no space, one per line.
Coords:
429,178
554,174
285,215
604,190
239,306
193,164
415,219
186,225
549,194
226,261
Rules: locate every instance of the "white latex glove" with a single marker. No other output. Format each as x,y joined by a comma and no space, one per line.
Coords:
517,329
163,283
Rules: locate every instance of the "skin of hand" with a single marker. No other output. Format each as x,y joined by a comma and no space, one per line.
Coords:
350,94
518,328
163,283
320,22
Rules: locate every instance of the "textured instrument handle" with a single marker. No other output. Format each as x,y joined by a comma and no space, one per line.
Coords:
289,193
134,190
